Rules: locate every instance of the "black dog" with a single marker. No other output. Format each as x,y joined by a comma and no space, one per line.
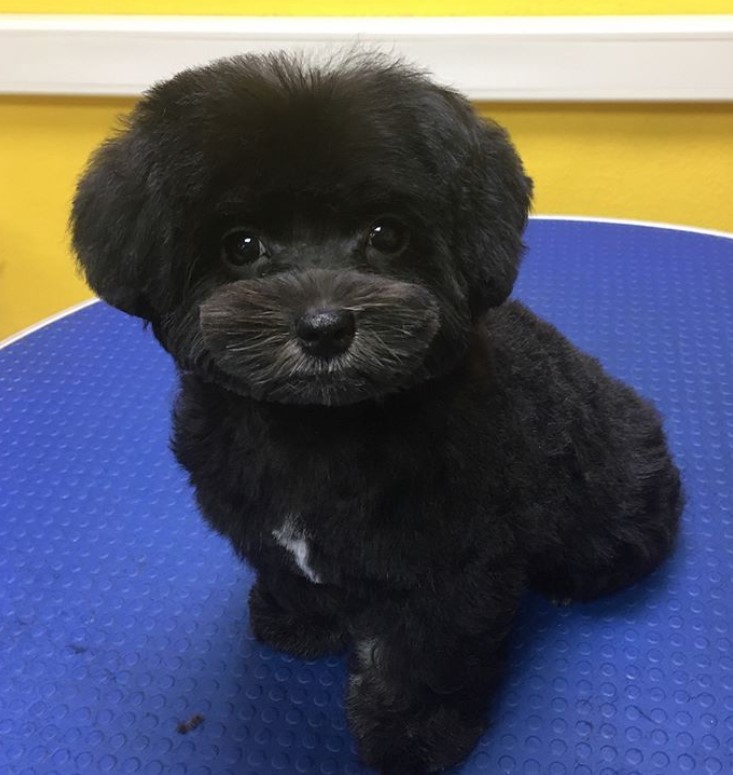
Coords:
396,449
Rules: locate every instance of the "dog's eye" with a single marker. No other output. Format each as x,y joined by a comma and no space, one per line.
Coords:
388,235
242,247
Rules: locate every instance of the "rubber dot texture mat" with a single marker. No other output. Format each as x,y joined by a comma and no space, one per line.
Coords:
122,615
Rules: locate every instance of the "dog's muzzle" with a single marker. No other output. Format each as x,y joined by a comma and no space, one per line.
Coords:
319,337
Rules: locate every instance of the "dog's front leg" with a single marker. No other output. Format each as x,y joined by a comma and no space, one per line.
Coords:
424,667
293,614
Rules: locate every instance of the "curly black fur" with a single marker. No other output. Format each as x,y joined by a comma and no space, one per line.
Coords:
397,498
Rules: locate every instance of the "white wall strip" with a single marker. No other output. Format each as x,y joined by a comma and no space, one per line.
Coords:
519,58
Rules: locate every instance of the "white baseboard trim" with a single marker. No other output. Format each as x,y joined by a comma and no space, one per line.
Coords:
510,58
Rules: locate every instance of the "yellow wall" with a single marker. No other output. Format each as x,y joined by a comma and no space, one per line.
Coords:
371,7
664,163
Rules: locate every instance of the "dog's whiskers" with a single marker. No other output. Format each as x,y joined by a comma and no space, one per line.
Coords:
255,345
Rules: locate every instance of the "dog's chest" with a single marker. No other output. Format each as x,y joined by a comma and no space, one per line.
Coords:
291,537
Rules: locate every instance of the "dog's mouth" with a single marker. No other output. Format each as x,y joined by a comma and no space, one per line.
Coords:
319,337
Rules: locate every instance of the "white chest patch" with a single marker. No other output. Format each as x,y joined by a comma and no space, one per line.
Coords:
290,537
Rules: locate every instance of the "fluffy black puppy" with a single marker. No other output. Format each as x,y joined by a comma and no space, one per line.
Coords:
326,252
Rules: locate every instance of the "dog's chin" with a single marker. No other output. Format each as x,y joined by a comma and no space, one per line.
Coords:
343,381
338,387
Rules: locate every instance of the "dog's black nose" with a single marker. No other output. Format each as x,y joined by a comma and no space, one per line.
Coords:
326,332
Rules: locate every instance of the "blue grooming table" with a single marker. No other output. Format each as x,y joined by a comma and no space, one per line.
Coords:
122,615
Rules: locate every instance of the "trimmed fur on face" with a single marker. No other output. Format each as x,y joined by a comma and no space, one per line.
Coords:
249,329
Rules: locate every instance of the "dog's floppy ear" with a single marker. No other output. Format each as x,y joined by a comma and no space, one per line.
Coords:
501,197
495,195
118,224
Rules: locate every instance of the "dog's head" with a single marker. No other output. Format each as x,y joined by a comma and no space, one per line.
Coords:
304,234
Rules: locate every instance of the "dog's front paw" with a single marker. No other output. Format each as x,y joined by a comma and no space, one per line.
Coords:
399,735
301,634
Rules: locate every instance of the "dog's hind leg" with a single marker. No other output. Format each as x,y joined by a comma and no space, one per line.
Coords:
604,556
624,525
